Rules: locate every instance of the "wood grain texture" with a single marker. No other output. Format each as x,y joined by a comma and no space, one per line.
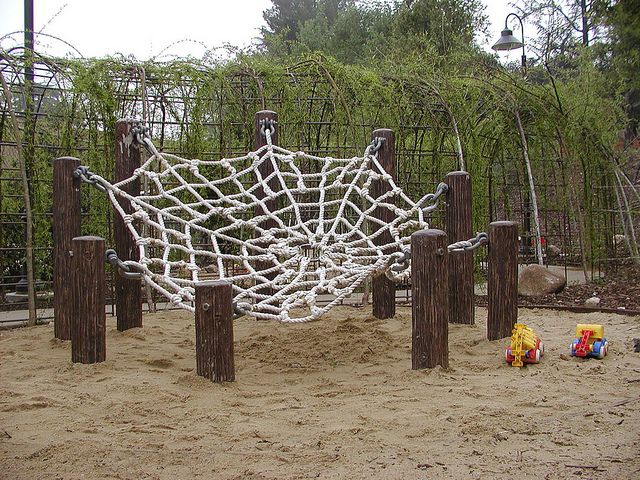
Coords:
383,289
88,340
66,225
128,292
430,300
502,288
214,331
458,225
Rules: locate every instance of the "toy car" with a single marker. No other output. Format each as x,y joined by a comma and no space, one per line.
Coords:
590,341
524,346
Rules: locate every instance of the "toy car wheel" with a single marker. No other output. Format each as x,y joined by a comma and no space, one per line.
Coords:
541,347
538,354
507,356
572,349
603,350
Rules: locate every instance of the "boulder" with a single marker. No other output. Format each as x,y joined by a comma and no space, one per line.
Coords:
553,251
536,280
592,302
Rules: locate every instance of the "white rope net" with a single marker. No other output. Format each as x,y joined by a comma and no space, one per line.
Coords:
292,243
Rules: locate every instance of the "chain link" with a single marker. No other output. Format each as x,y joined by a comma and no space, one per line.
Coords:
468,245
375,145
267,123
124,270
85,175
433,199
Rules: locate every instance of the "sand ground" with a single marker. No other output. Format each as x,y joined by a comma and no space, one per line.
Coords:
331,399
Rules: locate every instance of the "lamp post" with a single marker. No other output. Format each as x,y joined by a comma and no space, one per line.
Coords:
508,41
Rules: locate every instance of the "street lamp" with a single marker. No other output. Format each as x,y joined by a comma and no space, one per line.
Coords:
508,41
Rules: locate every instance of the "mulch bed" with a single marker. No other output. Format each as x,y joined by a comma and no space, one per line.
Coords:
618,290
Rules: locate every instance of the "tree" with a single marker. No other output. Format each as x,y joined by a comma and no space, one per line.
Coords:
623,20
563,25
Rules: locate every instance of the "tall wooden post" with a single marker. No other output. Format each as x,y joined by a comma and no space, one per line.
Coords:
66,225
214,331
266,169
383,289
430,309
502,290
458,217
128,292
88,341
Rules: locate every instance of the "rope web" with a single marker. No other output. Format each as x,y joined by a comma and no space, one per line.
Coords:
309,230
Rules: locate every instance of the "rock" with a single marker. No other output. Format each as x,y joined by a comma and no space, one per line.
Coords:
592,302
553,251
536,280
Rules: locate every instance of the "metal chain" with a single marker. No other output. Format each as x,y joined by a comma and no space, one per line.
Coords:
85,175
433,199
376,145
124,270
467,245
267,123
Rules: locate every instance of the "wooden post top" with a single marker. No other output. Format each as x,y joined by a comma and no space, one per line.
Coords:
503,223
65,159
88,238
266,114
458,173
429,232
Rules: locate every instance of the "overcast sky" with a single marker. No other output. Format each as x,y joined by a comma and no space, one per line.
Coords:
156,28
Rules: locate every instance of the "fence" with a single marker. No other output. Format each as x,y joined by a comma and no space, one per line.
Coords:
325,109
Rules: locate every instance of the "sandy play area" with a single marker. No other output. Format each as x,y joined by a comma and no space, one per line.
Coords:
331,399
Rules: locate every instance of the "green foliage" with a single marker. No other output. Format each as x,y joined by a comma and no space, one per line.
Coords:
361,33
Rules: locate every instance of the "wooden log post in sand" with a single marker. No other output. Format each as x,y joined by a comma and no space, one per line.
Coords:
88,341
502,288
66,226
430,299
383,289
214,331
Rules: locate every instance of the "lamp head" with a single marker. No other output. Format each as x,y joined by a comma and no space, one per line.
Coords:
507,41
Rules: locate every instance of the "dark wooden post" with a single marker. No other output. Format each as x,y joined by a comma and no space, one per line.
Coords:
459,227
430,309
502,290
128,292
214,331
383,289
66,225
88,341
266,169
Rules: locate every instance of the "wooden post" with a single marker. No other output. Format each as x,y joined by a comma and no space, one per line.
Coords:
502,294
66,225
88,341
383,289
128,292
458,217
430,309
214,331
266,169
